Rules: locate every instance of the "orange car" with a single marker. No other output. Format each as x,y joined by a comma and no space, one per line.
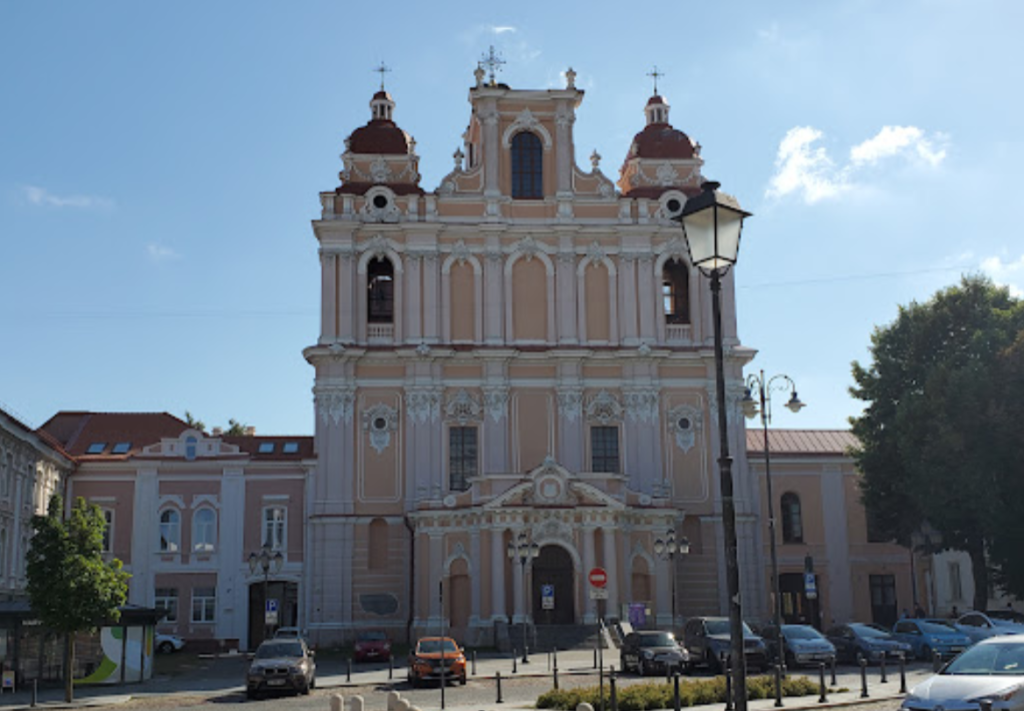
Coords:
431,655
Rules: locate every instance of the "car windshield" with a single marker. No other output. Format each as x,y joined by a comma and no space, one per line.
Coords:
870,632
989,659
800,632
433,646
373,636
936,627
657,639
274,650
722,627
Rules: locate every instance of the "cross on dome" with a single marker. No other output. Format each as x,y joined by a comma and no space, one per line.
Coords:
655,74
493,63
382,69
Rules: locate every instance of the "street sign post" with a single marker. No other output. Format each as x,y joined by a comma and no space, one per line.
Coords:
810,586
270,616
547,597
598,577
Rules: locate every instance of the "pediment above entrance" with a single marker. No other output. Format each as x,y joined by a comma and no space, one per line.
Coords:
552,485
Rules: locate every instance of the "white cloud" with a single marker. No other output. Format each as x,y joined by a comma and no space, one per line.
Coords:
502,29
1009,274
770,33
803,168
899,140
806,169
159,253
44,198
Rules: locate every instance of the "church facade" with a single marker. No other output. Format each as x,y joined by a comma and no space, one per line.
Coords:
524,353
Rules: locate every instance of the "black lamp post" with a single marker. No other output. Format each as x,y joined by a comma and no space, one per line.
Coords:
751,408
266,560
522,549
666,549
712,222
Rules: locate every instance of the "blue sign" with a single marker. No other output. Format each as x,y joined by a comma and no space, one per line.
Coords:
547,596
810,586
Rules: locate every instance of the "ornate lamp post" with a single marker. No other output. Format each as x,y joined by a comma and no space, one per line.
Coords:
751,408
266,560
712,222
521,549
666,549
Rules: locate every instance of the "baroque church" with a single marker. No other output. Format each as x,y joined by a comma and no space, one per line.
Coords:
514,385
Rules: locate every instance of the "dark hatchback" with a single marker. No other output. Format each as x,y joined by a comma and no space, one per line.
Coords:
653,652
706,639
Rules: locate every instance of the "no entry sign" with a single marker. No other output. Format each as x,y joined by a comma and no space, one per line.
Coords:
597,577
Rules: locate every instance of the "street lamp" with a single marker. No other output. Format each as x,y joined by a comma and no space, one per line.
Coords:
522,549
666,550
751,408
266,560
712,222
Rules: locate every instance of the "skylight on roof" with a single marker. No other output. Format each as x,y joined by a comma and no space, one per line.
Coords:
96,448
121,448
266,447
290,447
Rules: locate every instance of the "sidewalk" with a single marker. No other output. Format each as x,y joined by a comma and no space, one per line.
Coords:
332,673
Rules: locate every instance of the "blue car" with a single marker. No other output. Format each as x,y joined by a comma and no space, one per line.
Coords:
858,640
930,637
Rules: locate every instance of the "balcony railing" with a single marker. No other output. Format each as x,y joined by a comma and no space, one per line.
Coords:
677,332
380,332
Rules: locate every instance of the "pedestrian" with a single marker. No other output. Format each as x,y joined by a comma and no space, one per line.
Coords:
905,615
955,613
919,611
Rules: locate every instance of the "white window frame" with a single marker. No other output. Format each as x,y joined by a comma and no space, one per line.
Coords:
167,545
207,606
168,603
199,544
274,532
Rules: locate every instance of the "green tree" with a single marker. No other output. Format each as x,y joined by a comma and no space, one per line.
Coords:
71,587
1009,439
194,423
927,444
235,429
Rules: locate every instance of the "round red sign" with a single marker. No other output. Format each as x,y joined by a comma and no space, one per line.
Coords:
598,578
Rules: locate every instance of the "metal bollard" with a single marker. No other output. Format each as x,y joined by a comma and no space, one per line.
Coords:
936,661
832,663
677,703
514,667
348,670
612,696
391,667
554,656
555,668
778,686
595,657
337,702
497,680
554,676
600,683
863,678
35,691
549,660
727,665
903,673
823,699
884,679
474,662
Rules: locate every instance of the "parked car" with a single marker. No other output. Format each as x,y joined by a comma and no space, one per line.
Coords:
281,664
979,626
1007,614
857,640
653,652
804,645
372,646
992,670
290,633
431,655
168,643
928,637
706,639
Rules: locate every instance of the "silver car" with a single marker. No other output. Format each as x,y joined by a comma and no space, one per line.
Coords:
992,670
281,665
979,626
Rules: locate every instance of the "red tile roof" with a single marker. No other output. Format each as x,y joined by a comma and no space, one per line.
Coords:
251,446
77,430
801,442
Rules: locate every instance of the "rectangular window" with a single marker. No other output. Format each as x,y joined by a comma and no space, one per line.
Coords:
273,527
956,589
108,530
204,604
96,448
121,448
604,449
462,457
290,448
167,601
266,448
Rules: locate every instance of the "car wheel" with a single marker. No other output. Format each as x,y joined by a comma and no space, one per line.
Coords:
462,679
166,647
250,694
642,668
714,665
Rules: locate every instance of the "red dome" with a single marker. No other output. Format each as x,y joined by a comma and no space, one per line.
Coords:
655,100
379,136
660,140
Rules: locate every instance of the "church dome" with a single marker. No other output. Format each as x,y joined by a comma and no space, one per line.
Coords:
660,140
381,135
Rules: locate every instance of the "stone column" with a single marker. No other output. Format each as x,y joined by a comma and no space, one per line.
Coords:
646,295
497,575
494,284
628,326
431,297
589,605
611,566
346,302
328,296
435,567
565,275
563,149
518,606
488,113
413,291
476,576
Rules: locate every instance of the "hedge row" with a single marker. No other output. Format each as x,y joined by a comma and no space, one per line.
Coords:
660,695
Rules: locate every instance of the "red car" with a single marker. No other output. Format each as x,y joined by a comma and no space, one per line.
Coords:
372,646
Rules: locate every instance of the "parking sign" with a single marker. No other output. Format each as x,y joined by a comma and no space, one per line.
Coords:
271,612
547,596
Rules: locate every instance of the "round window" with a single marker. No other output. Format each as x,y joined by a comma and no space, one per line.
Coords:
380,202
684,423
674,205
380,423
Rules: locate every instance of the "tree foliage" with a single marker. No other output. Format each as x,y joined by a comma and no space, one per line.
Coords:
71,587
930,449
194,423
235,428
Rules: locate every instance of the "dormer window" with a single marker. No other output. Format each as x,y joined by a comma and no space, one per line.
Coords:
527,166
266,448
96,448
121,448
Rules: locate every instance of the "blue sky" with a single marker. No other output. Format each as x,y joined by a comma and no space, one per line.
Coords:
160,164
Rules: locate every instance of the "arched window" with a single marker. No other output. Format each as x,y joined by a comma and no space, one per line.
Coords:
675,291
792,519
204,531
380,285
527,166
190,448
170,531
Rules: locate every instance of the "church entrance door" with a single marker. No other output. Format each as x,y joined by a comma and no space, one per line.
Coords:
553,573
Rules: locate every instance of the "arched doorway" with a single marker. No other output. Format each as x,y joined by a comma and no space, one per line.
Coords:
554,567
287,596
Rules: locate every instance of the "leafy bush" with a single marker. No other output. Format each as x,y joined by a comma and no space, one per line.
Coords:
659,695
